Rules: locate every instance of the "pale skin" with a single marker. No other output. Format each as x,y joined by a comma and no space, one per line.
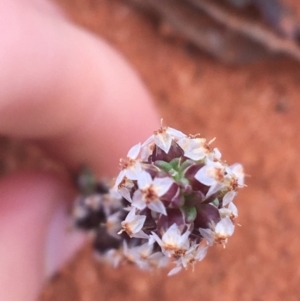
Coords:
81,102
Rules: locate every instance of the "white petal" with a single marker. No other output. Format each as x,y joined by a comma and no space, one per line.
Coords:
151,240
146,151
193,148
138,223
133,172
203,176
201,253
140,234
225,212
156,238
233,209
149,140
238,171
217,153
184,241
138,200
225,227
163,141
158,206
120,178
208,235
185,143
124,192
144,180
131,215
172,234
228,197
214,188
175,270
134,151
162,185
175,133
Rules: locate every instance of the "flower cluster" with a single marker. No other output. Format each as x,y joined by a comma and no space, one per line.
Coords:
172,199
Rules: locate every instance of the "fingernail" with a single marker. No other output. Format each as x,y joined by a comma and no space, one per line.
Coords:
62,241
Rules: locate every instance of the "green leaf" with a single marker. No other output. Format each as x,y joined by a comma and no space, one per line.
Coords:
163,165
190,213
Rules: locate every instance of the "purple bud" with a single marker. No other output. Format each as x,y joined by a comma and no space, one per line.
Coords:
173,197
174,216
206,214
158,154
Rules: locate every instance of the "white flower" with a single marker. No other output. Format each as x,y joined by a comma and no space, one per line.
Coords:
194,254
124,188
131,166
238,171
149,192
163,138
194,148
235,176
173,243
220,233
212,174
139,255
231,211
133,225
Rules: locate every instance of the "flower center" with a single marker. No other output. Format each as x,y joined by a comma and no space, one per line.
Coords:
150,194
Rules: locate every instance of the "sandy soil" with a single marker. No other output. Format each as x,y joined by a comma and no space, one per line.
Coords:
253,110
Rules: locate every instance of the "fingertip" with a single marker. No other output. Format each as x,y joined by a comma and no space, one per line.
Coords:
28,204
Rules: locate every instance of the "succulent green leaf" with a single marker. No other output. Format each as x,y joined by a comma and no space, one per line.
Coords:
190,213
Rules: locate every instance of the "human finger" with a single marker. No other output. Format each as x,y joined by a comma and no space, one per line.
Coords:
64,87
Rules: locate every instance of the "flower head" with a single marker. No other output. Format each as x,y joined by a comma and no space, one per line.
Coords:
172,200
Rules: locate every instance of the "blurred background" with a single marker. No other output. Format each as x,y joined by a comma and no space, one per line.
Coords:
228,69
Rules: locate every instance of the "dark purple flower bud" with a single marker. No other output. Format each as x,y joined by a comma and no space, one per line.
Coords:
206,214
173,197
174,216
149,224
158,154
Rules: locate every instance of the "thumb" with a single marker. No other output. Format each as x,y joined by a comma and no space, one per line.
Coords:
34,240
